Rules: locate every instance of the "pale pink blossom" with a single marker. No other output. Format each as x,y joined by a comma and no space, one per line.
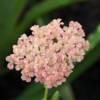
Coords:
48,54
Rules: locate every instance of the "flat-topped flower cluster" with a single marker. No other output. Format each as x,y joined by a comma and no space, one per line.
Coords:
48,54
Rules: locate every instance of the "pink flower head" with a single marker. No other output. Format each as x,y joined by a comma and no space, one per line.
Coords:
49,52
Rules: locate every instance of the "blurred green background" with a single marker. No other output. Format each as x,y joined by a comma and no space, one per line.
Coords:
17,16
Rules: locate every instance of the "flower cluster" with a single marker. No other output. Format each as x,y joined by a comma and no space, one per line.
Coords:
48,54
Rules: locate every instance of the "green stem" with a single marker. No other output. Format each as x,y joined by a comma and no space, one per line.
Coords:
45,94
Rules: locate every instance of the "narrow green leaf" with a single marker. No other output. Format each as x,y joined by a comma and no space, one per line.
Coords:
66,92
55,96
94,38
42,8
9,13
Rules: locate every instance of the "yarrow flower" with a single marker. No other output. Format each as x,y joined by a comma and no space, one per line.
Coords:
49,53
